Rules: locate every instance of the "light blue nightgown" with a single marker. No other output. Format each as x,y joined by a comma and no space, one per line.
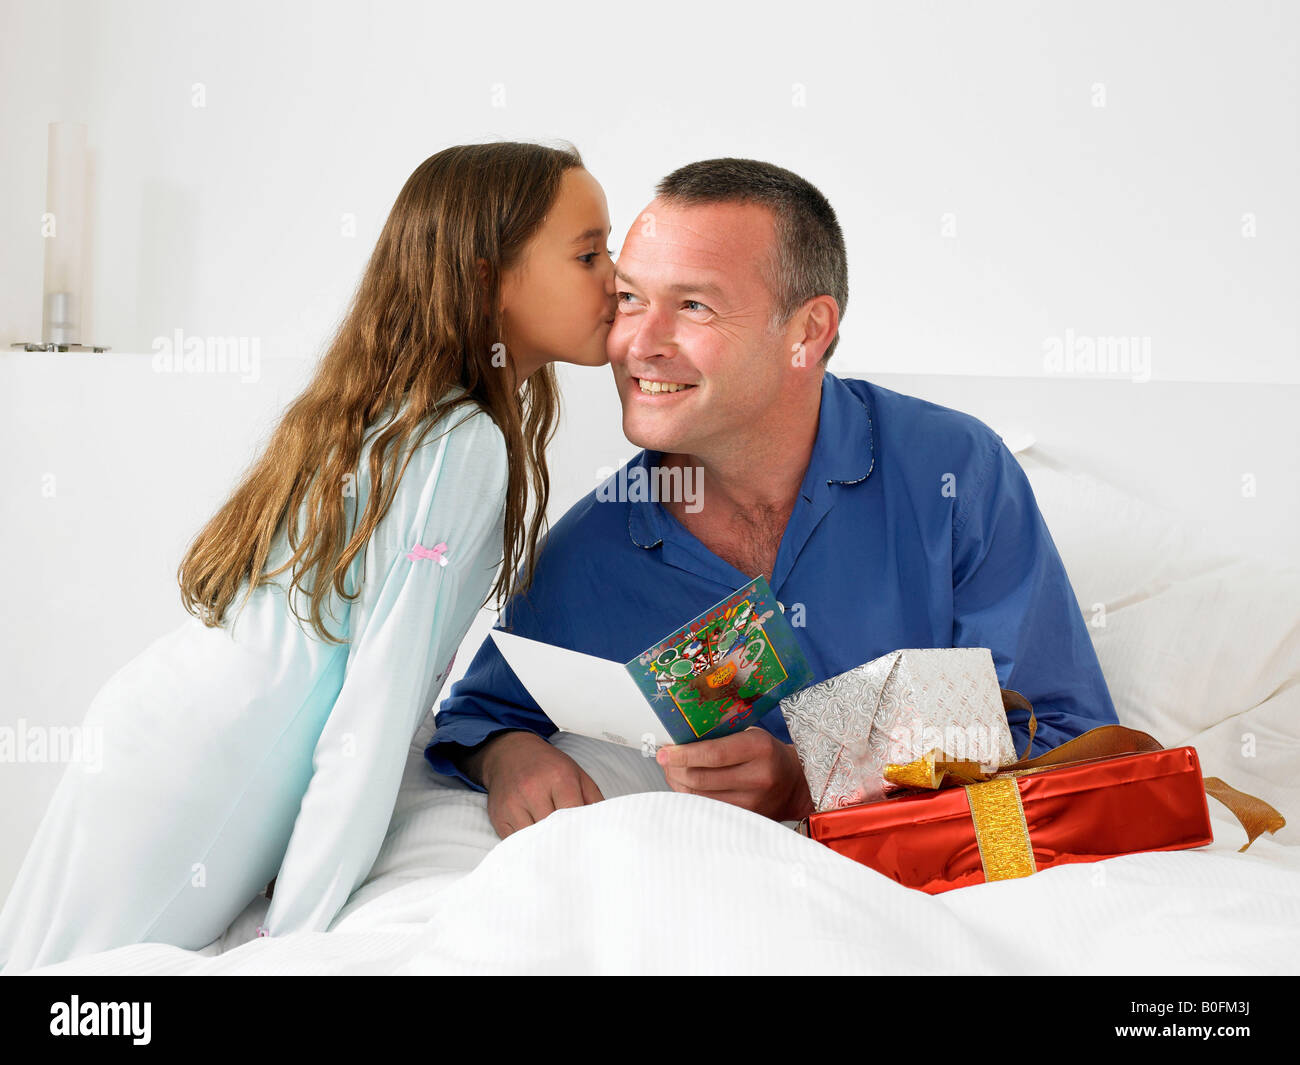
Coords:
252,750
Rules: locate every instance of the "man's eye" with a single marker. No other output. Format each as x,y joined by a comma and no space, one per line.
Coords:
619,296
697,303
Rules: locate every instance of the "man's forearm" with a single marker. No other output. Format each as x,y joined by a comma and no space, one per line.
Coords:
470,760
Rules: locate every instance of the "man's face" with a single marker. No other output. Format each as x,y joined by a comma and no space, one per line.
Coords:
693,308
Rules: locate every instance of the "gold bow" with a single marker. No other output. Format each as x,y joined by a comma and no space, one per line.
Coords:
930,770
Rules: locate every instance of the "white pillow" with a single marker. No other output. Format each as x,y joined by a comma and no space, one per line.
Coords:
1197,645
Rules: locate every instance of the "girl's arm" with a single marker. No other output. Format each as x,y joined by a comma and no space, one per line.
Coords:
409,619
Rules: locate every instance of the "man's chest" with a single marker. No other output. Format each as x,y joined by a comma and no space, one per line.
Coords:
748,542
751,557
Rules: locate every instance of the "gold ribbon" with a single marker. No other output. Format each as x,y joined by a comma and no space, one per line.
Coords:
1255,815
1000,829
995,807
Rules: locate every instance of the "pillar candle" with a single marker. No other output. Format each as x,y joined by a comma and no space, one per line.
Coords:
64,228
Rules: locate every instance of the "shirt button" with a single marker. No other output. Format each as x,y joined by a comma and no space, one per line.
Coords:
781,605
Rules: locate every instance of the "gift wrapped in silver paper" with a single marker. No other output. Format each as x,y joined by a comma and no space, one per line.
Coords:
939,702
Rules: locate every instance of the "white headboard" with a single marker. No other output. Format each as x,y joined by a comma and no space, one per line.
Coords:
1184,446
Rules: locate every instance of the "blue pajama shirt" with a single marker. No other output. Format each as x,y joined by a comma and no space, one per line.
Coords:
914,527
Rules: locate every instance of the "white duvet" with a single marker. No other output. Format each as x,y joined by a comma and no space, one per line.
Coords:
1196,649
651,881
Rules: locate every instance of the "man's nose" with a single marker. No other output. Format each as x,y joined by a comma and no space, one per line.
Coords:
651,334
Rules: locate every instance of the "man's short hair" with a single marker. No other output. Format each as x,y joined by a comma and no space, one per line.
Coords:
808,258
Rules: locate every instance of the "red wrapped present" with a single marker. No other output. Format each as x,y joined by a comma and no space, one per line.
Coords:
1077,803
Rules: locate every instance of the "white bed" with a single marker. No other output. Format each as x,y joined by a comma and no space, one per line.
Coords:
1200,645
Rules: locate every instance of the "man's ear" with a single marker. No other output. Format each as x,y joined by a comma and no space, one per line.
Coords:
820,321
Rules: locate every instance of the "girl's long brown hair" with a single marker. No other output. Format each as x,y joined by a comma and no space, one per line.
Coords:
423,319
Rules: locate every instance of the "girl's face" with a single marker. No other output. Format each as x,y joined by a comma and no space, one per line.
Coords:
558,302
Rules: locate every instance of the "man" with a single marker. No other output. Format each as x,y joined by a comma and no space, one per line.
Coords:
881,521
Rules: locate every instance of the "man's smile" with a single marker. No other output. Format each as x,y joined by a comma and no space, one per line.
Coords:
659,387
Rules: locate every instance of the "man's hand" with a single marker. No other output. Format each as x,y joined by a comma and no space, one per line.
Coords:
526,779
752,769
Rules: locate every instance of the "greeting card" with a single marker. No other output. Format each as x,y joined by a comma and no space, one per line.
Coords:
716,674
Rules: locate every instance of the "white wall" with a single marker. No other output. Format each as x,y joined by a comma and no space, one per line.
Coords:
1122,220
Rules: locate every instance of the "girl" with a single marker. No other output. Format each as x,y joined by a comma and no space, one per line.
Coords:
253,739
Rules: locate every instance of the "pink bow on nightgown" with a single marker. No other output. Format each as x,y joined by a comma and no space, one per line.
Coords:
437,551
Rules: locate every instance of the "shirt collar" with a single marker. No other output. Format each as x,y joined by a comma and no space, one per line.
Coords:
843,453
